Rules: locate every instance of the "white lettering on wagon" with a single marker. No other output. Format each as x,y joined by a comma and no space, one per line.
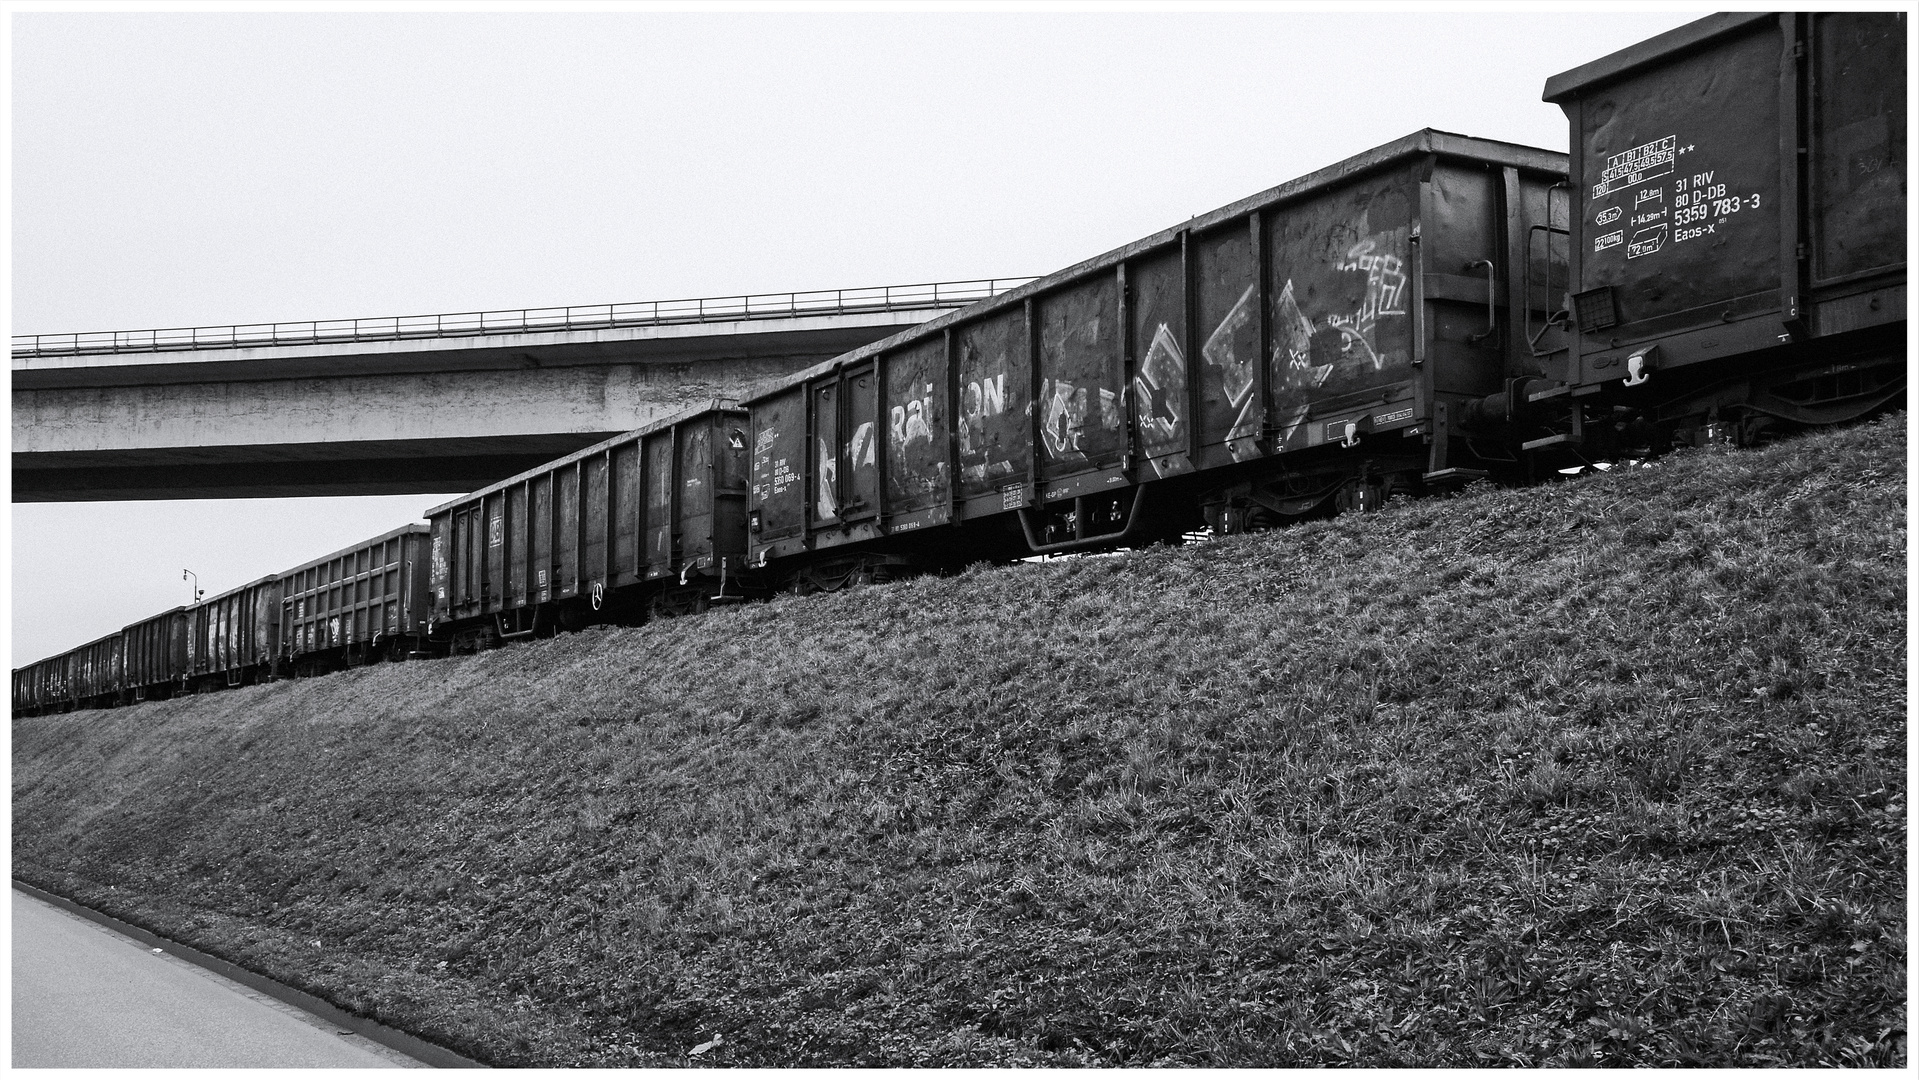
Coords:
909,420
1648,161
1647,241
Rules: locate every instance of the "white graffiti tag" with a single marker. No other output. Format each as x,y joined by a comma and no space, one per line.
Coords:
910,420
1338,346
1236,373
1385,281
828,476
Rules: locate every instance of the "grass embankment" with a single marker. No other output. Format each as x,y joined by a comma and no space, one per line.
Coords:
1611,771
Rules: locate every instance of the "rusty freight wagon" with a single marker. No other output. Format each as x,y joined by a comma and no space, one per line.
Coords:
233,639
96,672
1319,346
652,521
86,677
42,687
23,696
155,655
362,603
25,701
1738,231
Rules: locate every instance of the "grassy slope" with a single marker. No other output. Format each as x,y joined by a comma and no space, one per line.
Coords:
1609,771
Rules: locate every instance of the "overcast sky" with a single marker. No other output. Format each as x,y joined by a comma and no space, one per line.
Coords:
206,169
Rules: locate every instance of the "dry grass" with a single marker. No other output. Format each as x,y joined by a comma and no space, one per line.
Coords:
1609,772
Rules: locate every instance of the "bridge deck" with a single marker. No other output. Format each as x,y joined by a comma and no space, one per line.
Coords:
353,407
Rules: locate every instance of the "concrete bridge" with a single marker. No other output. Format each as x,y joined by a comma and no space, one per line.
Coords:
410,404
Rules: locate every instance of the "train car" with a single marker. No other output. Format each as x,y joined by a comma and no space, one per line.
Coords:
1738,243
1319,346
154,654
42,687
96,672
23,698
88,677
360,604
1726,261
233,639
652,521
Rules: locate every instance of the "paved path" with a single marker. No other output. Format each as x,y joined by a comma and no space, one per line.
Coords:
85,996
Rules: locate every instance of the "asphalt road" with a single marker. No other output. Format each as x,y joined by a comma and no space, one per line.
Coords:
87,997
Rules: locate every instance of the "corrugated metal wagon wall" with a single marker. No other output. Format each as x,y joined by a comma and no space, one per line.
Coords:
234,636
369,596
613,526
156,654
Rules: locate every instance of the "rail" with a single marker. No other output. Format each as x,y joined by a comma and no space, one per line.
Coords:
944,294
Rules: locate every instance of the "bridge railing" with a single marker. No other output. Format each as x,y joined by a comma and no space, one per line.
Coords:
942,294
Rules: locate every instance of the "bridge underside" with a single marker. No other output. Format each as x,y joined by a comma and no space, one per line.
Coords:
289,470
409,417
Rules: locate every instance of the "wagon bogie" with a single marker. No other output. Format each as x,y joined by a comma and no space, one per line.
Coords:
845,570
1325,489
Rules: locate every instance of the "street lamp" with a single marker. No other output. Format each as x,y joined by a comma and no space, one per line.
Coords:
198,592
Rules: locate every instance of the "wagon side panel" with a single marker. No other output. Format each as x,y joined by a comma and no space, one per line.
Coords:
917,444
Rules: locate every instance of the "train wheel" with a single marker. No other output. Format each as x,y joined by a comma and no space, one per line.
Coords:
1758,429
574,618
1397,486
679,601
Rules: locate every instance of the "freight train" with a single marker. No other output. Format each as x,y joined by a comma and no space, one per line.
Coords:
1720,258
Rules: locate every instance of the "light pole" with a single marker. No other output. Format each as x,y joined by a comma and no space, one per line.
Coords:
198,592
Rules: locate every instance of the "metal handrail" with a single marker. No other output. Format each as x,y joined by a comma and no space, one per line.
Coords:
943,294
